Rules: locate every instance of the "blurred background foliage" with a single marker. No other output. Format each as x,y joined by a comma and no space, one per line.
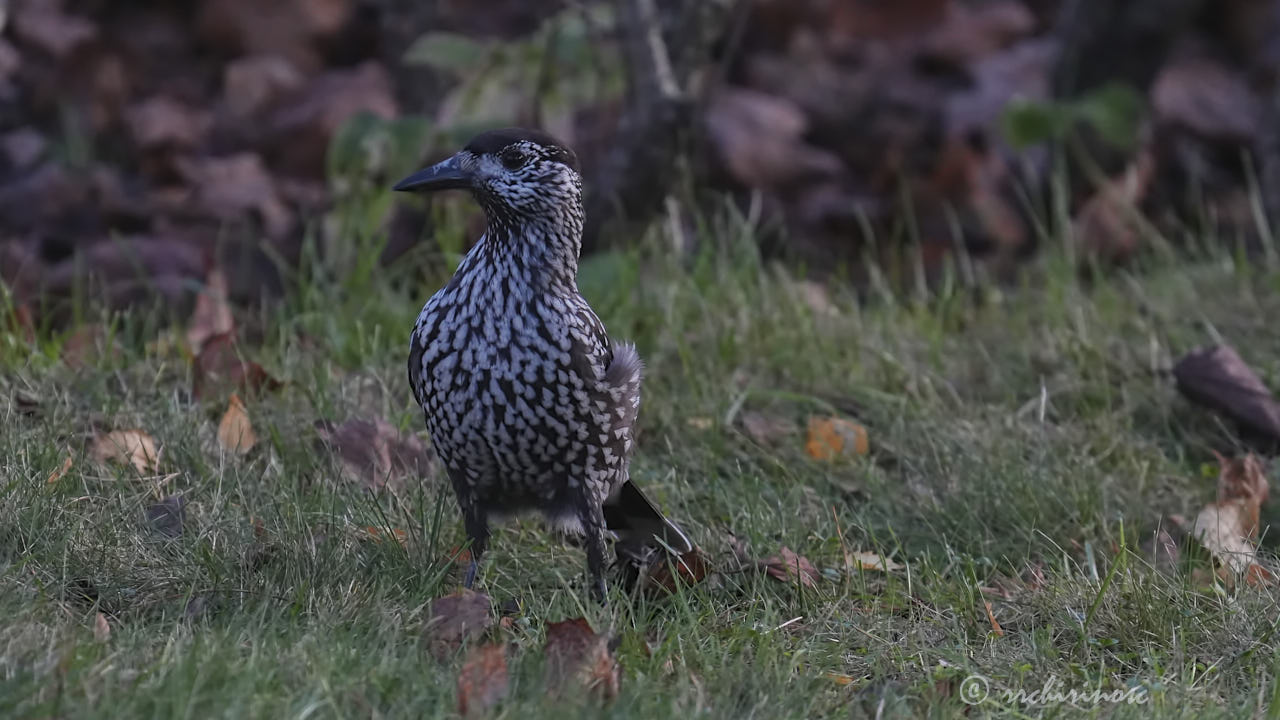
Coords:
911,144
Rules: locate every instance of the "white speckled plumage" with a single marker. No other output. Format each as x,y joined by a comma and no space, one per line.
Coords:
529,404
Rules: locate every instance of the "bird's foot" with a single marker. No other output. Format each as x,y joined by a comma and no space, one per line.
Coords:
470,579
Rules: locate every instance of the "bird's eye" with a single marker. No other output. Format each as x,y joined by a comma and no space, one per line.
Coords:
512,158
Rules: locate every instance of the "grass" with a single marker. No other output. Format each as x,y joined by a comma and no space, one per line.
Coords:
1023,449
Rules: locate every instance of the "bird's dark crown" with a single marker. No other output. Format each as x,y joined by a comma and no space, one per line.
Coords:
494,142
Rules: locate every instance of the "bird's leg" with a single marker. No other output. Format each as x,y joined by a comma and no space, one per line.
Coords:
477,526
593,537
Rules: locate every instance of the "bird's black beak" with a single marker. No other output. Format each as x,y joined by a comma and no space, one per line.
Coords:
450,174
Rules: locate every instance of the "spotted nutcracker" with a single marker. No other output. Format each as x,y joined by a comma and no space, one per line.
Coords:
529,404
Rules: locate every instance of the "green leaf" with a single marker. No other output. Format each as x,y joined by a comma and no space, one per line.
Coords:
1028,123
1115,111
448,51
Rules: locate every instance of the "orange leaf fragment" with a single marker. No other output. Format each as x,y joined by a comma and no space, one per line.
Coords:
212,314
991,617
235,432
482,681
833,437
58,474
455,618
789,567
101,629
690,569
1228,527
133,447
575,652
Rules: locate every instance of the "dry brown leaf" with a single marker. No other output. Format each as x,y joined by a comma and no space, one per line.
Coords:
991,617
1228,527
864,560
86,344
101,629
373,453
235,432
833,437
460,556
234,187
1208,98
375,534
839,679
61,471
219,368
760,139
482,681
133,447
1219,379
45,26
1221,529
1106,227
689,569
767,429
212,314
1243,478
789,567
575,652
164,122
456,618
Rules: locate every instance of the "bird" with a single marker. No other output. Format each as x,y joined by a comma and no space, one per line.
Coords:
530,405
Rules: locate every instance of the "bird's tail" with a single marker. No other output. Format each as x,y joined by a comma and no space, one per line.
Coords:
642,530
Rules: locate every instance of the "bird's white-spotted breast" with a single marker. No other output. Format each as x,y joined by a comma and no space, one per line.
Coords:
511,378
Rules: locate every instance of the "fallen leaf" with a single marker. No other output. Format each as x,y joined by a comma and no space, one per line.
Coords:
373,453
577,656
58,474
767,429
991,617
219,368
1218,378
167,516
970,33
460,556
1208,98
45,26
864,560
375,534
133,447
23,147
456,618
482,681
235,432
760,138
212,314
789,567
700,423
839,679
689,569
101,629
1221,529
306,124
1106,227
1243,478
1229,527
164,122
833,437
253,84
234,188
87,344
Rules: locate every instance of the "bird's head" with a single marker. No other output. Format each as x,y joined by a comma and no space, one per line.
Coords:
519,176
